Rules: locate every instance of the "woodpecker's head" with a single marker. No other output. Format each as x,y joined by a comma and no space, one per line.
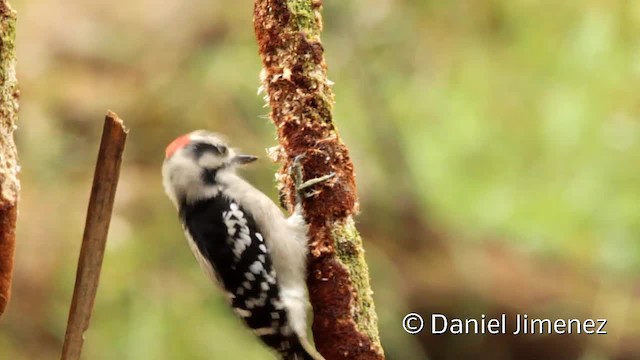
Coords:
194,164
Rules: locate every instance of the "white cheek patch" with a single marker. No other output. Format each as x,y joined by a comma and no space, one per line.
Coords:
210,161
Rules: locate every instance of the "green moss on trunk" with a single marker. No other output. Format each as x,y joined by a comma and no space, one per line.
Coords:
304,16
350,252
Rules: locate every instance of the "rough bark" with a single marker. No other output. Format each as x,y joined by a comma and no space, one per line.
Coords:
94,239
301,100
9,183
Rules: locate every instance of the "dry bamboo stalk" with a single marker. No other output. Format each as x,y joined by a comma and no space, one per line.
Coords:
103,191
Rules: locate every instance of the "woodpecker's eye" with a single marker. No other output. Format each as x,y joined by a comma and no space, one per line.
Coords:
201,148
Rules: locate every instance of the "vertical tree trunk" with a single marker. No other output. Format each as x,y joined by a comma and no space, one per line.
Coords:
9,183
301,100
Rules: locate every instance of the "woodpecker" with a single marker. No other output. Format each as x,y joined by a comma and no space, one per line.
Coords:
242,240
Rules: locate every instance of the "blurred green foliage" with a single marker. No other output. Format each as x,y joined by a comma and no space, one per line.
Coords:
515,120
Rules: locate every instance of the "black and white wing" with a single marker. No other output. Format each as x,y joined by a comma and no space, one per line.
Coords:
229,246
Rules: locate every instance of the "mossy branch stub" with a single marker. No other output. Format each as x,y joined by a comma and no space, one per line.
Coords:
9,183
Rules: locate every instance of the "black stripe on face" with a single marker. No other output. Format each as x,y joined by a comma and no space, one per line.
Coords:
201,148
209,176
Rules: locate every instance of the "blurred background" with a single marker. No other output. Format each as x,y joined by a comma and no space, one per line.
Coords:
497,152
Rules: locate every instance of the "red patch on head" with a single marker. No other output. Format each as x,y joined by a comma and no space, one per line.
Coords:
176,145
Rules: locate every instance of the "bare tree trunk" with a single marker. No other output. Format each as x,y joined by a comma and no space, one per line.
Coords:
301,100
9,183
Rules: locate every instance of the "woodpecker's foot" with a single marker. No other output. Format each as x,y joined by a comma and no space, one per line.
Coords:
295,171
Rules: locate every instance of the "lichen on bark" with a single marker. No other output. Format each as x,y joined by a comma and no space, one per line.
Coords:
9,183
349,247
301,100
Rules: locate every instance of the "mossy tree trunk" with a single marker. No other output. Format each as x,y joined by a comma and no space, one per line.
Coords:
301,101
9,184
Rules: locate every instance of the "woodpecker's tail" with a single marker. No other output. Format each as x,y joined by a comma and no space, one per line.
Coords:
302,350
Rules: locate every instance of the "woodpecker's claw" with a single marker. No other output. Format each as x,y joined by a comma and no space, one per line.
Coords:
315,181
295,171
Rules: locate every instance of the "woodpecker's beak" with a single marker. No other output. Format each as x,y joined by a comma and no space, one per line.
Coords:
244,159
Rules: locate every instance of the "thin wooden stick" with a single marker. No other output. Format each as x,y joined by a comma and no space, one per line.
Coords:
103,191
